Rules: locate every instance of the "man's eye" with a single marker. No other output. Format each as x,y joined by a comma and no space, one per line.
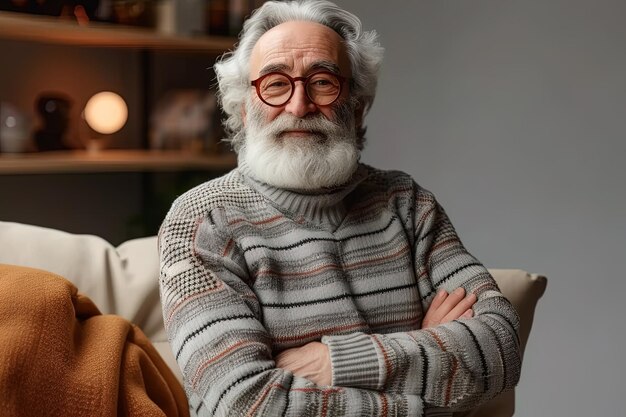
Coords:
276,84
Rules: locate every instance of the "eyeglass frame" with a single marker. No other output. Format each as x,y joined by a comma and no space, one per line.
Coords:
256,83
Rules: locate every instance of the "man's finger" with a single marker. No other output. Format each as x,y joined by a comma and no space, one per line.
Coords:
461,307
469,313
449,304
438,300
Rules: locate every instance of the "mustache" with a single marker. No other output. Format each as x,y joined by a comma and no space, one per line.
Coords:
314,123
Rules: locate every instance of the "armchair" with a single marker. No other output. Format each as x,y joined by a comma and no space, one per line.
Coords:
123,280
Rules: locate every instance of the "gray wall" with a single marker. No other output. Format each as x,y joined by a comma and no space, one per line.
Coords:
514,114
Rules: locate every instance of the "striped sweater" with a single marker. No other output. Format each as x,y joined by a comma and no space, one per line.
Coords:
248,270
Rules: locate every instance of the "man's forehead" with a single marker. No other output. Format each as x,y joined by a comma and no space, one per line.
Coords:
299,46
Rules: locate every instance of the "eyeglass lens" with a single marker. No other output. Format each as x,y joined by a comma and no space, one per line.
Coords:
322,88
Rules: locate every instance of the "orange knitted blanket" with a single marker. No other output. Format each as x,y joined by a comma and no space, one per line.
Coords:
60,357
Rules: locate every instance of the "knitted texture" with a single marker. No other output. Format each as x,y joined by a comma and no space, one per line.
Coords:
248,270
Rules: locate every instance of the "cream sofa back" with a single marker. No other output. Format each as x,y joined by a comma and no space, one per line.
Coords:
123,280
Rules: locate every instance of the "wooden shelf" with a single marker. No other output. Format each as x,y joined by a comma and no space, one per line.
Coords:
49,30
112,161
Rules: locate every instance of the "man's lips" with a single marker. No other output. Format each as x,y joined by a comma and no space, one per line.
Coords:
301,133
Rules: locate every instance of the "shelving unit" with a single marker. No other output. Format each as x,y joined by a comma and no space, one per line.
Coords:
42,29
46,30
119,193
63,162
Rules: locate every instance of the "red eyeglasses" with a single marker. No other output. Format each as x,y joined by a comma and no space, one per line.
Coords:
276,88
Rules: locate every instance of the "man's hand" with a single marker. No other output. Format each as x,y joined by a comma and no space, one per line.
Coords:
311,361
447,307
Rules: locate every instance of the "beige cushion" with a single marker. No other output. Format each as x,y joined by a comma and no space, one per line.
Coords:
123,280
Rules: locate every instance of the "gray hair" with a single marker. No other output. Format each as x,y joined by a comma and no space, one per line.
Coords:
233,68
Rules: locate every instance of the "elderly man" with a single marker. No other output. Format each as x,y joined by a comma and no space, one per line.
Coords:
304,283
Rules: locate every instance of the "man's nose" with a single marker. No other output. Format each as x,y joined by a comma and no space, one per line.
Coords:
299,104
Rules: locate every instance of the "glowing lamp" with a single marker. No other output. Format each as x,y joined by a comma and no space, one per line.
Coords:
106,113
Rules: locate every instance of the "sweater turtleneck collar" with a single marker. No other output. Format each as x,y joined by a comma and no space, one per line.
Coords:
322,206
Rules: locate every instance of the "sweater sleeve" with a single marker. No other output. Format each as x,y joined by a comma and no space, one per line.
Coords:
216,331
457,365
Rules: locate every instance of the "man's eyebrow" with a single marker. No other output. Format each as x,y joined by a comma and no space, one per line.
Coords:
324,65
274,68
316,66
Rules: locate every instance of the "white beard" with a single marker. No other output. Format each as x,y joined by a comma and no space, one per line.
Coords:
325,159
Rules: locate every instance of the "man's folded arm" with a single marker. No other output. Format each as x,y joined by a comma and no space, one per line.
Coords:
213,321
457,364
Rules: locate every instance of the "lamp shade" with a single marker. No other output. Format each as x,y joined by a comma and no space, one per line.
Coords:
106,112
